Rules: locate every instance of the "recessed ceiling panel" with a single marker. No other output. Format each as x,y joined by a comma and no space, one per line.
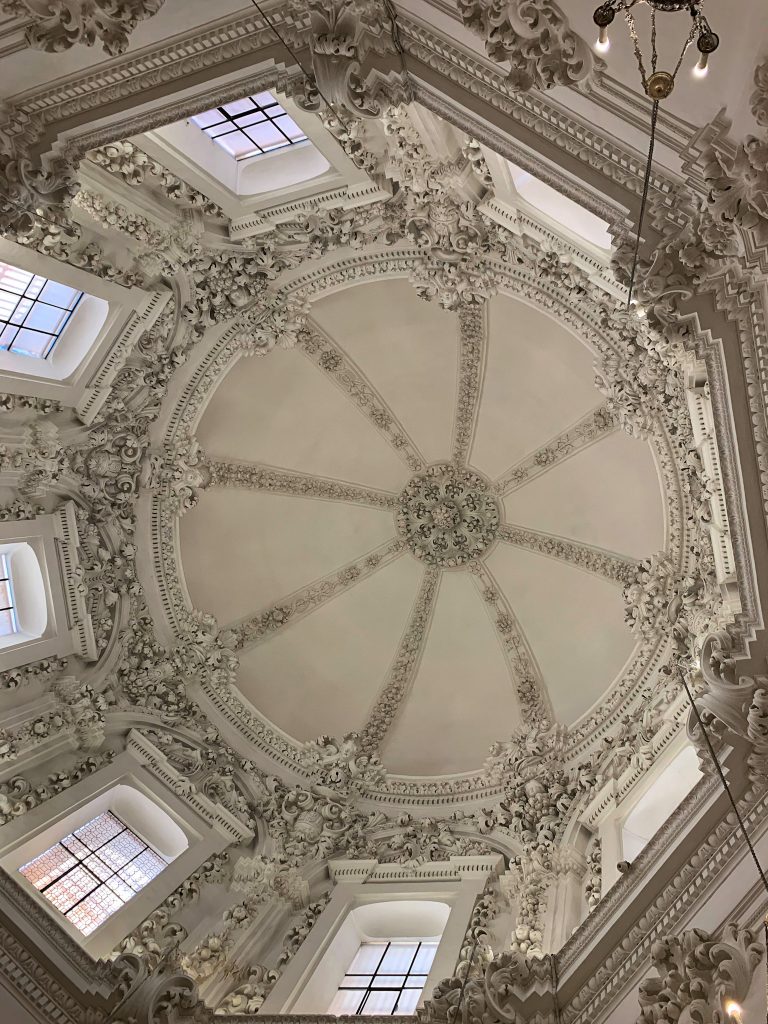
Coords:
539,379
574,623
408,348
283,410
246,550
607,495
322,674
462,698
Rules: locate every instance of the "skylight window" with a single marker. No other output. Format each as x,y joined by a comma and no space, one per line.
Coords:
9,623
250,127
93,871
33,311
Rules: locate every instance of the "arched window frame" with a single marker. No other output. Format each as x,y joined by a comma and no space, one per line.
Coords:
68,627
208,828
79,371
457,883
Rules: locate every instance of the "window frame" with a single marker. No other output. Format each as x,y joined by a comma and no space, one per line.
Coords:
6,577
258,107
309,982
117,316
54,541
80,861
207,827
40,283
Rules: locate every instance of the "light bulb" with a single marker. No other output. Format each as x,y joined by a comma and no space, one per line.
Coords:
702,66
734,1010
638,310
603,43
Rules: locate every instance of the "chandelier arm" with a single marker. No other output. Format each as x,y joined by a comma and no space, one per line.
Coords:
646,184
683,52
654,53
630,19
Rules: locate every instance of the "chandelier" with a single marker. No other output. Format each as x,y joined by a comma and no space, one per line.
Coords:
657,83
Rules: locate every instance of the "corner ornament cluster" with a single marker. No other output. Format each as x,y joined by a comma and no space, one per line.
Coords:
58,24
534,37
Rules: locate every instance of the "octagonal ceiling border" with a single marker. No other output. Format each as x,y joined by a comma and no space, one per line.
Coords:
552,297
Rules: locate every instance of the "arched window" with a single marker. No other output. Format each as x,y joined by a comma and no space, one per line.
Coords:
385,976
116,846
378,961
23,603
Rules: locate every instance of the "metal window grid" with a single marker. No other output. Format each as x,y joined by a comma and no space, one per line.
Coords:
111,875
6,596
377,973
273,115
18,316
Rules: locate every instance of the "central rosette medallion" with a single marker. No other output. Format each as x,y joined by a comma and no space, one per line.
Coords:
447,515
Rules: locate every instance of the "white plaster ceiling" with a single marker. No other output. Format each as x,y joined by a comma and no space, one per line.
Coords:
244,551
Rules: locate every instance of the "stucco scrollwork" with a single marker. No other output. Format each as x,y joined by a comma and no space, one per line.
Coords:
60,24
342,33
534,37
699,974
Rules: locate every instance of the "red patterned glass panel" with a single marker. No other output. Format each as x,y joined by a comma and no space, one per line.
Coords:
94,871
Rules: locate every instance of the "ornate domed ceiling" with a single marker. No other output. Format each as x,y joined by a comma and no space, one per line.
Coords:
418,536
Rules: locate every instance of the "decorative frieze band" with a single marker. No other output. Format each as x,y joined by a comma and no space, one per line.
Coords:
329,358
405,665
260,477
597,424
598,561
301,603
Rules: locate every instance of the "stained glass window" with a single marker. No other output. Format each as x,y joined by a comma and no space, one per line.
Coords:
33,311
94,871
385,978
9,622
250,126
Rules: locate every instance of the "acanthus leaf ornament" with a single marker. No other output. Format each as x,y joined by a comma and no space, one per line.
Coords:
59,24
534,36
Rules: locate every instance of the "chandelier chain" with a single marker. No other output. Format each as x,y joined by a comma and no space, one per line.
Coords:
644,201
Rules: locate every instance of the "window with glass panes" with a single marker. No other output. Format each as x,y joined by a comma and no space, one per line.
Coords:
33,311
385,978
9,623
250,126
94,871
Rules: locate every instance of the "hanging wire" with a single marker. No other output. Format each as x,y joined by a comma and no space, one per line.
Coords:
310,78
739,819
643,202
630,19
724,781
391,10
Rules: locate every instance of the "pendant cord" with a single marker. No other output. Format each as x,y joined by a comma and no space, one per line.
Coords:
646,185
726,787
311,80
742,826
